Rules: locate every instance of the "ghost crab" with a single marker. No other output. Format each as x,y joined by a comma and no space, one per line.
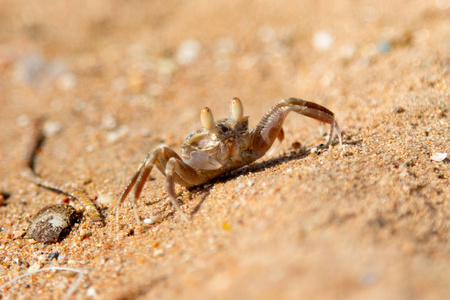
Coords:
220,147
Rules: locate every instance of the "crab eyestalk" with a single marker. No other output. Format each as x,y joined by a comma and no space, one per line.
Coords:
207,119
237,110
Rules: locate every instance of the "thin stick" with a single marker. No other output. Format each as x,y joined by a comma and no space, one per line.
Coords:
36,139
69,291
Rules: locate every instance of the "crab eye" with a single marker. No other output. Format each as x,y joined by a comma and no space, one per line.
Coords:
237,110
207,119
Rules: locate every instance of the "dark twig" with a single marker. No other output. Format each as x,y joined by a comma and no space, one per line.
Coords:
36,138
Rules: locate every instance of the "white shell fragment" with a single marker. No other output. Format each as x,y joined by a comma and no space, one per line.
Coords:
51,222
439,156
152,219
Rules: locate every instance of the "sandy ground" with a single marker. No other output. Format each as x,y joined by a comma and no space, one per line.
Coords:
115,79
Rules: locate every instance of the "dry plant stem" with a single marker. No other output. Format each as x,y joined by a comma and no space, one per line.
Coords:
35,140
69,291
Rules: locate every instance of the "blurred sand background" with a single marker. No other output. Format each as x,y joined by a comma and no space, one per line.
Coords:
115,79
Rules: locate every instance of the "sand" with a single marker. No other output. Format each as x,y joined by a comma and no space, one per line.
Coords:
116,79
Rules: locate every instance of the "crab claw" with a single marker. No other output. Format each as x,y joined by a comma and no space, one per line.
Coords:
207,120
237,110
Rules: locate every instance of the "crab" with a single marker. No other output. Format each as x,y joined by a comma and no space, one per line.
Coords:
220,147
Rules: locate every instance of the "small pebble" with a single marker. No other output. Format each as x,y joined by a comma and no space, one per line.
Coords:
104,200
188,52
108,122
248,61
347,51
240,186
225,47
226,226
322,40
115,135
145,132
384,46
90,148
92,292
166,66
36,266
53,255
327,79
42,258
66,81
71,262
18,233
137,82
51,128
399,110
30,67
84,234
158,252
22,120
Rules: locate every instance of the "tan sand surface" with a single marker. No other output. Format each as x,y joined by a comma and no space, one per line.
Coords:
115,79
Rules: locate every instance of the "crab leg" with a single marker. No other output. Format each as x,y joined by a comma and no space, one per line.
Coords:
271,124
169,164
179,171
139,176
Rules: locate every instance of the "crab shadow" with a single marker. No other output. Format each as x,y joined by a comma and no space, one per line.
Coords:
205,189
